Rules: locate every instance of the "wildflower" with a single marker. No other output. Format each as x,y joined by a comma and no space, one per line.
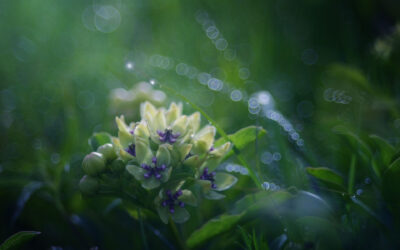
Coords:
164,150
166,126
154,172
125,143
172,200
167,136
131,149
209,177
172,204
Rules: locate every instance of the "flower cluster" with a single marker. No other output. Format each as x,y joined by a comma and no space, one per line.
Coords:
164,150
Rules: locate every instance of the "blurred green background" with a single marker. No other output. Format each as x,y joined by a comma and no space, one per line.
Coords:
300,69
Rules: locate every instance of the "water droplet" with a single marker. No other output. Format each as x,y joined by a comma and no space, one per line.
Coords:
276,156
107,19
236,95
230,54
309,57
181,69
265,185
359,191
215,84
367,181
244,73
221,44
129,65
244,171
55,158
266,157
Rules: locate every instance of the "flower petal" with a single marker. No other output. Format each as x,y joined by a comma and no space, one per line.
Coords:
184,150
194,121
173,112
136,171
166,174
180,125
224,181
163,156
212,195
188,198
142,131
163,213
150,183
192,161
143,151
180,215
147,110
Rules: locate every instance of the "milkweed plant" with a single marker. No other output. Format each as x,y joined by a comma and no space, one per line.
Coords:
164,162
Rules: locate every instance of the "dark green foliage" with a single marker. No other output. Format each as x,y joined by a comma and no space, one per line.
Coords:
15,241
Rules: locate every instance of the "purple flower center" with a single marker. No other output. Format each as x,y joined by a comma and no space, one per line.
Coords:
153,171
131,149
209,177
167,136
172,200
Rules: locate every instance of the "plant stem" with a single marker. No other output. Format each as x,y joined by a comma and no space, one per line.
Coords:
146,246
176,234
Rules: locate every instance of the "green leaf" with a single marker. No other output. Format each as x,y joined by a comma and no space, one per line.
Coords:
24,197
347,75
98,139
261,201
242,137
16,240
357,143
385,150
213,228
326,175
224,181
391,185
320,230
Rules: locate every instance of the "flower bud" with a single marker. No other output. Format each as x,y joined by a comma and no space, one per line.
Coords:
107,150
89,185
93,164
117,166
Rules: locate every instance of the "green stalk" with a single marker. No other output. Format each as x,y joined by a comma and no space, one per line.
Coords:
143,234
352,172
176,234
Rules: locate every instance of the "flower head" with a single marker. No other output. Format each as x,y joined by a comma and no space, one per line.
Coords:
172,200
164,150
209,177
